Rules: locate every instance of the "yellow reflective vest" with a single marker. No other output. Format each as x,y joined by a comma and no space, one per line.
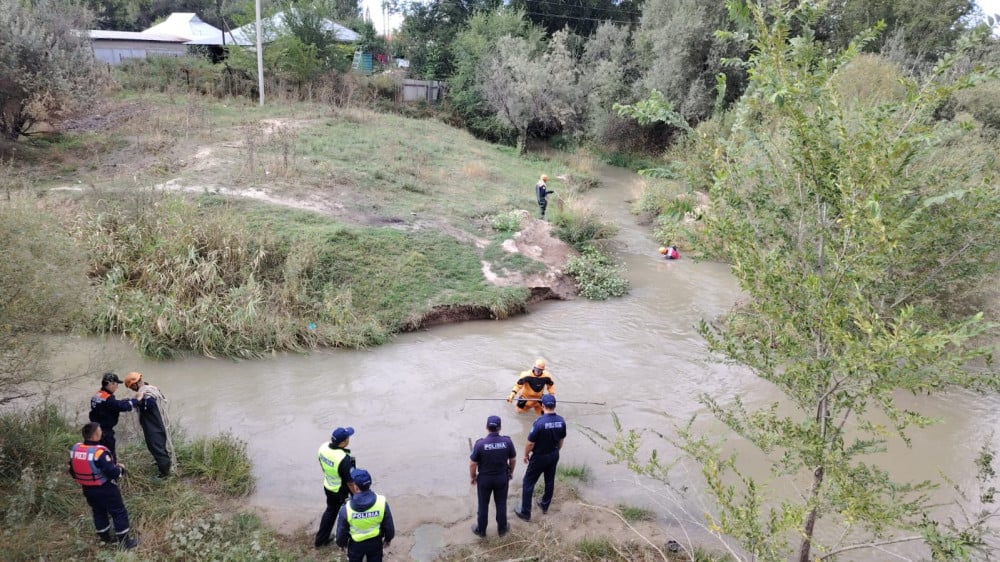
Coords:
366,524
330,460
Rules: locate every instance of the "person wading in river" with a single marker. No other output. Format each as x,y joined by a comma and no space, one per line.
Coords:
154,429
530,386
491,467
336,461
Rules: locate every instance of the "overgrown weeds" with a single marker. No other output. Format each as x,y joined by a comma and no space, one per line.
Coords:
597,276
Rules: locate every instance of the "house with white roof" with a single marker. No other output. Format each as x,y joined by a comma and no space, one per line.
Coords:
275,25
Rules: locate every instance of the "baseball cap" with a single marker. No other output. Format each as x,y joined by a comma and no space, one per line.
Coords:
341,433
110,377
548,400
361,478
493,422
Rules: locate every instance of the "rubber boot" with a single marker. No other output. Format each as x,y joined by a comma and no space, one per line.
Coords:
126,542
105,536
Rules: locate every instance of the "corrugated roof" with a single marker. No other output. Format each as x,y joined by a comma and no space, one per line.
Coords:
134,36
189,26
275,25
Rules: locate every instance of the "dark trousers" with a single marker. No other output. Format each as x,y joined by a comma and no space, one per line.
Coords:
155,433
107,500
334,500
539,465
541,206
370,550
108,440
495,485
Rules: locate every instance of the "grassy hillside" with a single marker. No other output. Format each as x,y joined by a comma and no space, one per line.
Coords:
231,229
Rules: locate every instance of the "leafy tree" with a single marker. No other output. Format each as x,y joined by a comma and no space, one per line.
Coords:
853,238
526,88
928,28
582,17
428,30
683,55
46,65
477,42
608,72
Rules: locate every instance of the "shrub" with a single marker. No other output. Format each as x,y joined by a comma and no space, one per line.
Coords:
595,274
506,222
577,224
222,460
214,538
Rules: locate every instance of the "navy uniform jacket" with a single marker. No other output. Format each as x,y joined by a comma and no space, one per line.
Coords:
492,453
105,409
546,433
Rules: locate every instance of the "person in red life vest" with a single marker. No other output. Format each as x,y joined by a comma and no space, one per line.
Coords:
530,386
364,524
670,252
93,467
105,409
154,429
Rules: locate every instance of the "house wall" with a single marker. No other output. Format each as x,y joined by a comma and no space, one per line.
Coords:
115,51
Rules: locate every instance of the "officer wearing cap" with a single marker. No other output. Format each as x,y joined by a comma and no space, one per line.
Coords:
336,461
494,458
105,409
541,454
365,526
97,472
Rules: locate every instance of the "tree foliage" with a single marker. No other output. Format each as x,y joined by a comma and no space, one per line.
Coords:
46,65
429,30
525,87
682,55
850,240
477,42
608,71
581,17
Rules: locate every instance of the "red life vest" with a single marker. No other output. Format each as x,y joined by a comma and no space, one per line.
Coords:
82,466
672,253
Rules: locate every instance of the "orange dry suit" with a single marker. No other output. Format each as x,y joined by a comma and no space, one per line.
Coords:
532,385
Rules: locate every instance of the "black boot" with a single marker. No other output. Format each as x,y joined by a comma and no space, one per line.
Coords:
105,536
126,542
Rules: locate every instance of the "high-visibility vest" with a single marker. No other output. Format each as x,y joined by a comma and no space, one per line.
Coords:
82,466
330,460
366,524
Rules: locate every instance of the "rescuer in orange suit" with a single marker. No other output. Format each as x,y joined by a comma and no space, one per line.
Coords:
530,387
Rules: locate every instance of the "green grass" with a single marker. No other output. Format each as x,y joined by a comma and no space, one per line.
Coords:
632,513
569,472
596,549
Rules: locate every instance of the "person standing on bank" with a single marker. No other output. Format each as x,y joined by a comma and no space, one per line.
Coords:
154,430
336,461
494,458
541,454
541,192
93,467
105,409
365,524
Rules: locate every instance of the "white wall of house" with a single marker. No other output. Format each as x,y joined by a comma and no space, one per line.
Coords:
113,52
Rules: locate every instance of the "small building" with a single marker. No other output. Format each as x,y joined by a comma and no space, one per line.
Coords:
112,47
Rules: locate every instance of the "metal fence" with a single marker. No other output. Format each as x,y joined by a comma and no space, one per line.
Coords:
431,91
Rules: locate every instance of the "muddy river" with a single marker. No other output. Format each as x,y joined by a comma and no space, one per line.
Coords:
640,354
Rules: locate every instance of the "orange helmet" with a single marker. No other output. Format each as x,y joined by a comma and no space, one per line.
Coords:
545,177
540,364
132,379
663,250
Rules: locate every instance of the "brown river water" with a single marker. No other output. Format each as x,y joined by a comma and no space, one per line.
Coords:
640,354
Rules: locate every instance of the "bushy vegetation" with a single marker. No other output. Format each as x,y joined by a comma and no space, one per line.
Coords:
597,276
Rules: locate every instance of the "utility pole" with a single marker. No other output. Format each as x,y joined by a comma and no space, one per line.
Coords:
260,56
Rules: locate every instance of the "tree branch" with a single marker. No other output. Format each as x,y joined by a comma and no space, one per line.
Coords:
870,545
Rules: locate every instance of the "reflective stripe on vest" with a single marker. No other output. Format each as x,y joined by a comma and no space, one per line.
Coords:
330,460
81,462
366,524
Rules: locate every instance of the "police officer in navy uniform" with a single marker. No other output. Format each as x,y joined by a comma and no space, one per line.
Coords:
541,454
105,409
494,457
336,461
93,467
365,523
